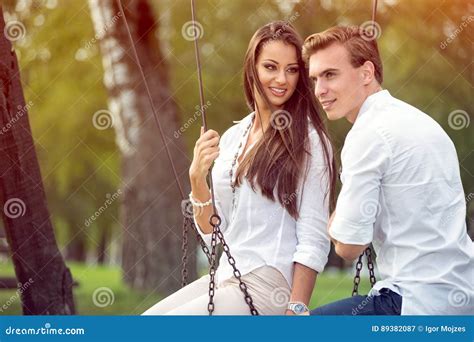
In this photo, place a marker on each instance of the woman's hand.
(206, 151)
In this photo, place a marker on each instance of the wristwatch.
(297, 307)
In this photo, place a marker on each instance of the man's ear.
(368, 72)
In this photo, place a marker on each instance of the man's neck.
(372, 89)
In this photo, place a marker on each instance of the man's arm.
(346, 251)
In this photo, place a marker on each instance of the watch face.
(299, 308)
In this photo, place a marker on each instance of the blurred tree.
(151, 214)
(45, 283)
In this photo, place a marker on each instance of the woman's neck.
(261, 120)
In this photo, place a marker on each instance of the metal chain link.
(355, 290)
(359, 264)
(184, 248)
(212, 268)
(215, 221)
(370, 265)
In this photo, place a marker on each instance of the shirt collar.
(370, 101)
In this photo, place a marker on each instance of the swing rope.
(215, 219)
(187, 221)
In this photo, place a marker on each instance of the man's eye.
(329, 75)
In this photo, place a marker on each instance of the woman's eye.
(269, 66)
(293, 70)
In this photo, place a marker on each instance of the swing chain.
(355, 290)
(184, 248)
(370, 265)
(212, 266)
(359, 264)
(238, 275)
(217, 233)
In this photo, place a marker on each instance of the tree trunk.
(76, 249)
(45, 283)
(151, 208)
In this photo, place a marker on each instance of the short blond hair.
(354, 39)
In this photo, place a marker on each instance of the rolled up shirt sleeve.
(365, 157)
(223, 145)
(313, 243)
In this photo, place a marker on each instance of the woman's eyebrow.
(271, 60)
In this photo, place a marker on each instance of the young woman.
(274, 180)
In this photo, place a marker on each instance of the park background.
(113, 205)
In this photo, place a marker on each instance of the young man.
(401, 190)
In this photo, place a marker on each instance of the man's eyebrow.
(322, 73)
(326, 71)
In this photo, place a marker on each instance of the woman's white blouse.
(261, 232)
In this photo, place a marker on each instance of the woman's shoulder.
(314, 145)
(237, 129)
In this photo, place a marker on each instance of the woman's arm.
(313, 243)
(304, 279)
(206, 151)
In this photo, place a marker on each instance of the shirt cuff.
(206, 237)
(305, 255)
(349, 233)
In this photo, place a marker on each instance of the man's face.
(339, 87)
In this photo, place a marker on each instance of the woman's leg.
(267, 286)
(197, 288)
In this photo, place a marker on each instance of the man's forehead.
(332, 57)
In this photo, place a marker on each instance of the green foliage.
(330, 287)
(62, 75)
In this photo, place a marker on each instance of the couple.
(274, 179)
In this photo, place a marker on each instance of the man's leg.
(387, 303)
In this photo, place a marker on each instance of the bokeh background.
(100, 151)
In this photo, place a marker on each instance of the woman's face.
(278, 71)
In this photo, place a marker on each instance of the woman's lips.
(278, 91)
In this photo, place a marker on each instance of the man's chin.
(333, 116)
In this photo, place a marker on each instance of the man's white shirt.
(402, 192)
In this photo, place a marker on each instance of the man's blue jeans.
(387, 303)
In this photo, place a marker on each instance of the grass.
(330, 287)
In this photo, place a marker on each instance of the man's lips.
(327, 103)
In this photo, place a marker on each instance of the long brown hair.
(276, 159)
